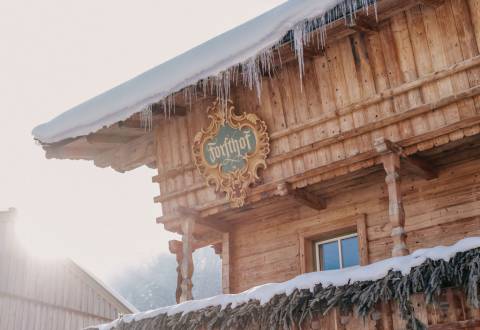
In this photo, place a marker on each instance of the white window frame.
(338, 239)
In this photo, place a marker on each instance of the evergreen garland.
(284, 312)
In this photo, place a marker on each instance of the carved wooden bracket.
(208, 223)
(412, 163)
(301, 196)
(364, 24)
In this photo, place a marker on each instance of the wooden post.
(186, 266)
(391, 164)
(226, 263)
(176, 248)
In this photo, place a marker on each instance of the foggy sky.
(56, 54)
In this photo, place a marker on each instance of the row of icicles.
(251, 71)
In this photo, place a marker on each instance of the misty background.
(55, 54)
(153, 284)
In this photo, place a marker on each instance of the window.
(336, 253)
(312, 237)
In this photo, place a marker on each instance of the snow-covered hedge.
(357, 289)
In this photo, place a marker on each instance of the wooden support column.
(223, 250)
(391, 154)
(226, 263)
(186, 266)
(391, 164)
(176, 248)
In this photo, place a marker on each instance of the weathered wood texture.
(415, 81)
(440, 211)
(48, 294)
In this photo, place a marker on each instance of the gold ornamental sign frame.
(230, 152)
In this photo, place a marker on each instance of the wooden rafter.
(108, 139)
(129, 155)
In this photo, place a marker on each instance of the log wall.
(440, 211)
(415, 81)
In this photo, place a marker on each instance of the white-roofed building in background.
(49, 294)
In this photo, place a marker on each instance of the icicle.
(251, 70)
(299, 36)
(251, 75)
(146, 118)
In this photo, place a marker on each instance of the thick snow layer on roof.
(264, 293)
(207, 60)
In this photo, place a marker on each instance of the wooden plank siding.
(48, 294)
(439, 211)
(409, 83)
(415, 81)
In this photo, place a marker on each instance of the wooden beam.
(207, 239)
(362, 233)
(137, 152)
(432, 3)
(301, 196)
(108, 138)
(412, 163)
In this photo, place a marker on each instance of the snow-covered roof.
(265, 293)
(245, 45)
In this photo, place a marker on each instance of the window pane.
(330, 255)
(350, 251)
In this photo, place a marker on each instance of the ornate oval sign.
(231, 150)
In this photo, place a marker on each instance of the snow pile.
(246, 51)
(265, 293)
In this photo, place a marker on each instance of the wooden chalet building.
(49, 294)
(352, 139)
